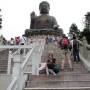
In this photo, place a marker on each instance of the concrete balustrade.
(85, 54)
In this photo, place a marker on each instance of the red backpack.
(65, 42)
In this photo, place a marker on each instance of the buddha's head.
(44, 7)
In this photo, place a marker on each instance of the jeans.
(76, 55)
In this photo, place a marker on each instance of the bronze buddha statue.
(43, 21)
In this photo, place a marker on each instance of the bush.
(86, 33)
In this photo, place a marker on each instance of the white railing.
(17, 63)
(15, 46)
(85, 53)
(11, 54)
(19, 75)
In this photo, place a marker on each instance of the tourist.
(65, 53)
(12, 42)
(75, 49)
(51, 66)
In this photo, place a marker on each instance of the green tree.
(86, 30)
(74, 28)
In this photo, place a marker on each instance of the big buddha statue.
(43, 22)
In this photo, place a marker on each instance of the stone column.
(9, 62)
(17, 69)
(85, 53)
(36, 59)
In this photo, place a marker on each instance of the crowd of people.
(15, 41)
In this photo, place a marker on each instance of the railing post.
(9, 62)
(36, 59)
(17, 68)
(24, 51)
(84, 48)
(16, 60)
(36, 56)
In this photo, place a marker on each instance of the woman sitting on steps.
(51, 65)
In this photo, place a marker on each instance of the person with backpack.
(75, 49)
(66, 52)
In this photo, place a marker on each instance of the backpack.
(65, 42)
(56, 68)
(75, 45)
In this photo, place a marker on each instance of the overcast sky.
(16, 14)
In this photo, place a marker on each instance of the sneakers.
(71, 69)
(76, 61)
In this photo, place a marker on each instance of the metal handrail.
(15, 46)
(27, 56)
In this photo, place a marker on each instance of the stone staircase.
(78, 79)
(4, 61)
(5, 81)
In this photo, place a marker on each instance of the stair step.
(63, 88)
(3, 72)
(3, 68)
(65, 77)
(74, 72)
(4, 60)
(3, 64)
(57, 84)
